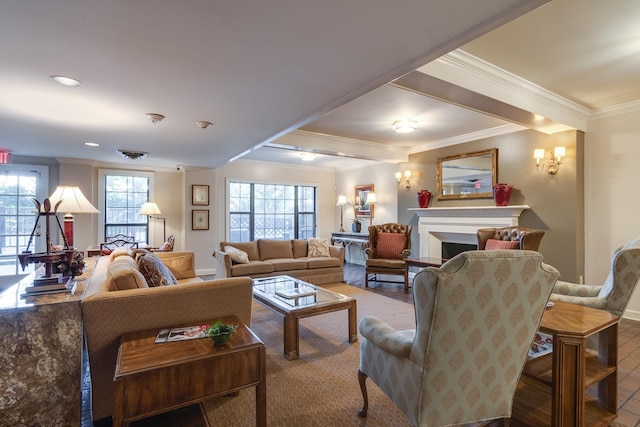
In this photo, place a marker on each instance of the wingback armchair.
(615, 293)
(389, 245)
(514, 237)
(476, 317)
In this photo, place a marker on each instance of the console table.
(352, 241)
(552, 389)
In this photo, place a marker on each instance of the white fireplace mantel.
(459, 224)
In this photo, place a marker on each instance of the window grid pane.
(123, 197)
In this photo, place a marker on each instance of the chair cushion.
(390, 245)
(154, 271)
(386, 263)
(493, 244)
(237, 256)
(318, 248)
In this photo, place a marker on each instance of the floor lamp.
(342, 200)
(149, 209)
(72, 201)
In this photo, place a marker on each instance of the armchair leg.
(366, 279)
(362, 377)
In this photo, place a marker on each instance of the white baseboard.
(631, 315)
(206, 272)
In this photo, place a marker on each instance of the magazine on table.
(542, 344)
(180, 334)
(299, 292)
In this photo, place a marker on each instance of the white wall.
(612, 204)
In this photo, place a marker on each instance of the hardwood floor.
(628, 353)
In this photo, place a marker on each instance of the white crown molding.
(465, 70)
(615, 110)
(472, 136)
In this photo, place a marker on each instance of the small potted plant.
(220, 332)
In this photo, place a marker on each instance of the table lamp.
(72, 201)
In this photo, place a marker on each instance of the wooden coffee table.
(293, 309)
(154, 378)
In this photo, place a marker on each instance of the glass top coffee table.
(294, 299)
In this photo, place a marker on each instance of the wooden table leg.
(261, 392)
(291, 337)
(118, 403)
(353, 320)
(568, 372)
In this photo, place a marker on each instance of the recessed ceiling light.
(92, 144)
(307, 157)
(405, 126)
(66, 81)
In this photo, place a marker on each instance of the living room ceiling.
(260, 71)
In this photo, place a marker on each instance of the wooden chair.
(166, 246)
(117, 241)
(389, 245)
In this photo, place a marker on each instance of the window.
(271, 211)
(123, 193)
(19, 185)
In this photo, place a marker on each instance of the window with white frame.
(271, 211)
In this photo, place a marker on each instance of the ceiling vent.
(132, 155)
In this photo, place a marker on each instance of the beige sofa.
(107, 314)
(268, 257)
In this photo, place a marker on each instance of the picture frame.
(200, 219)
(200, 195)
(361, 207)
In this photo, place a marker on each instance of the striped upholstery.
(476, 317)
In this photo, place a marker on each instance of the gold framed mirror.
(467, 176)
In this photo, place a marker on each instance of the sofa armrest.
(337, 252)
(223, 264)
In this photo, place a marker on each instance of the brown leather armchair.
(389, 245)
(527, 238)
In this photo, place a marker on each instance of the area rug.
(321, 387)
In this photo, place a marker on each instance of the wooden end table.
(153, 378)
(421, 262)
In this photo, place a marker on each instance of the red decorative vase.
(424, 197)
(502, 194)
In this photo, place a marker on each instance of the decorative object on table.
(502, 194)
(71, 267)
(71, 201)
(49, 257)
(356, 227)
(200, 195)
(424, 197)
(200, 219)
(361, 206)
(342, 200)
(151, 208)
(220, 332)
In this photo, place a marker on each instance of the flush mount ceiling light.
(307, 157)
(203, 124)
(154, 117)
(405, 126)
(66, 81)
(132, 155)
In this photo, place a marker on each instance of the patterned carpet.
(321, 388)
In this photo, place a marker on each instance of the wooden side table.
(154, 378)
(421, 262)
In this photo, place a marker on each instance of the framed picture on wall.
(200, 195)
(363, 208)
(200, 219)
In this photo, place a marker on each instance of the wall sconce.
(553, 164)
(342, 200)
(407, 175)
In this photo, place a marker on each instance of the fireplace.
(459, 225)
(449, 250)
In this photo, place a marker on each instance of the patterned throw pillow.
(390, 245)
(318, 248)
(154, 271)
(237, 256)
(493, 244)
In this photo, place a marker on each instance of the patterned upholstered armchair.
(615, 293)
(514, 237)
(389, 245)
(476, 317)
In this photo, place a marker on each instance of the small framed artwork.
(200, 195)
(200, 219)
(362, 208)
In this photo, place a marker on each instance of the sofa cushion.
(251, 248)
(493, 244)
(390, 245)
(181, 266)
(154, 271)
(270, 249)
(299, 248)
(122, 274)
(323, 262)
(115, 253)
(237, 256)
(252, 267)
(318, 248)
(283, 264)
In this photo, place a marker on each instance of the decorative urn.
(502, 194)
(424, 197)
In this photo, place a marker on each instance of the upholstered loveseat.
(314, 261)
(118, 299)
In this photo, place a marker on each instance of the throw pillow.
(154, 271)
(318, 248)
(163, 247)
(493, 244)
(390, 245)
(237, 256)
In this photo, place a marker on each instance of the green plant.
(220, 328)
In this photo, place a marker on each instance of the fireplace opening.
(449, 250)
